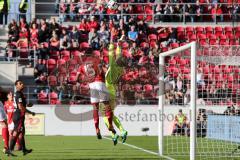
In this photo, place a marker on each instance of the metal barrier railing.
(150, 12)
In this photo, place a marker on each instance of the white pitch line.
(141, 149)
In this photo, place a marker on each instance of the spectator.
(24, 33)
(132, 34)
(42, 51)
(40, 72)
(199, 10)
(230, 111)
(43, 34)
(200, 77)
(122, 26)
(103, 35)
(168, 10)
(180, 124)
(74, 36)
(54, 42)
(65, 43)
(189, 11)
(159, 13)
(23, 23)
(13, 32)
(83, 27)
(34, 33)
(93, 39)
(172, 38)
(201, 123)
(93, 23)
(54, 26)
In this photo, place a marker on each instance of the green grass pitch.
(88, 147)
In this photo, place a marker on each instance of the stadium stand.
(60, 49)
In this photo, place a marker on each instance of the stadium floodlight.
(162, 56)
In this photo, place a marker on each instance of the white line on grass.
(141, 149)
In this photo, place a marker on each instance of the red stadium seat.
(228, 30)
(51, 65)
(209, 30)
(199, 30)
(72, 80)
(152, 37)
(218, 31)
(192, 38)
(61, 62)
(52, 80)
(53, 98)
(42, 97)
(65, 54)
(84, 46)
(97, 53)
(189, 30)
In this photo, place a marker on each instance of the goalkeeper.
(112, 76)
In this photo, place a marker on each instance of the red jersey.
(90, 70)
(9, 109)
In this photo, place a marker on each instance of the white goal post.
(192, 47)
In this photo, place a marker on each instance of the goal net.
(199, 101)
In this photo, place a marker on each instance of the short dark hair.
(17, 81)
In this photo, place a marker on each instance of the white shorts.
(11, 126)
(3, 115)
(98, 92)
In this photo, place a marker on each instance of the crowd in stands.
(165, 11)
(58, 50)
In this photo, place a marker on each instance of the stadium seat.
(52, 80)
(51, 65)
(199, 30)
(53, 98)
(54, 54)
(65, 54)
(61, 62)
(209, 30)
(228, 30)
(152, 37)
(192, 38)
(97, 53)
(72, 80)
(42, 97)
(84, 46)
(189, 30)
(218, 31)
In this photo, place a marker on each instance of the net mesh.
(218, 102)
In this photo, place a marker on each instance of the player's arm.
(30, 112)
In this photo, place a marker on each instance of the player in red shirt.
(91, 71)
(9, 107)
(4, 126)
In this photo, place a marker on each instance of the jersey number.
(90, 70)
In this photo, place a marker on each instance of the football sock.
(105, 119)
(118, 123)
(18, 144)
(5, 137)
(96, 119)
(12, 143)
(22, 141)
(109, 115)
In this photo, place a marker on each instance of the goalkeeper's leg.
(116, 121)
